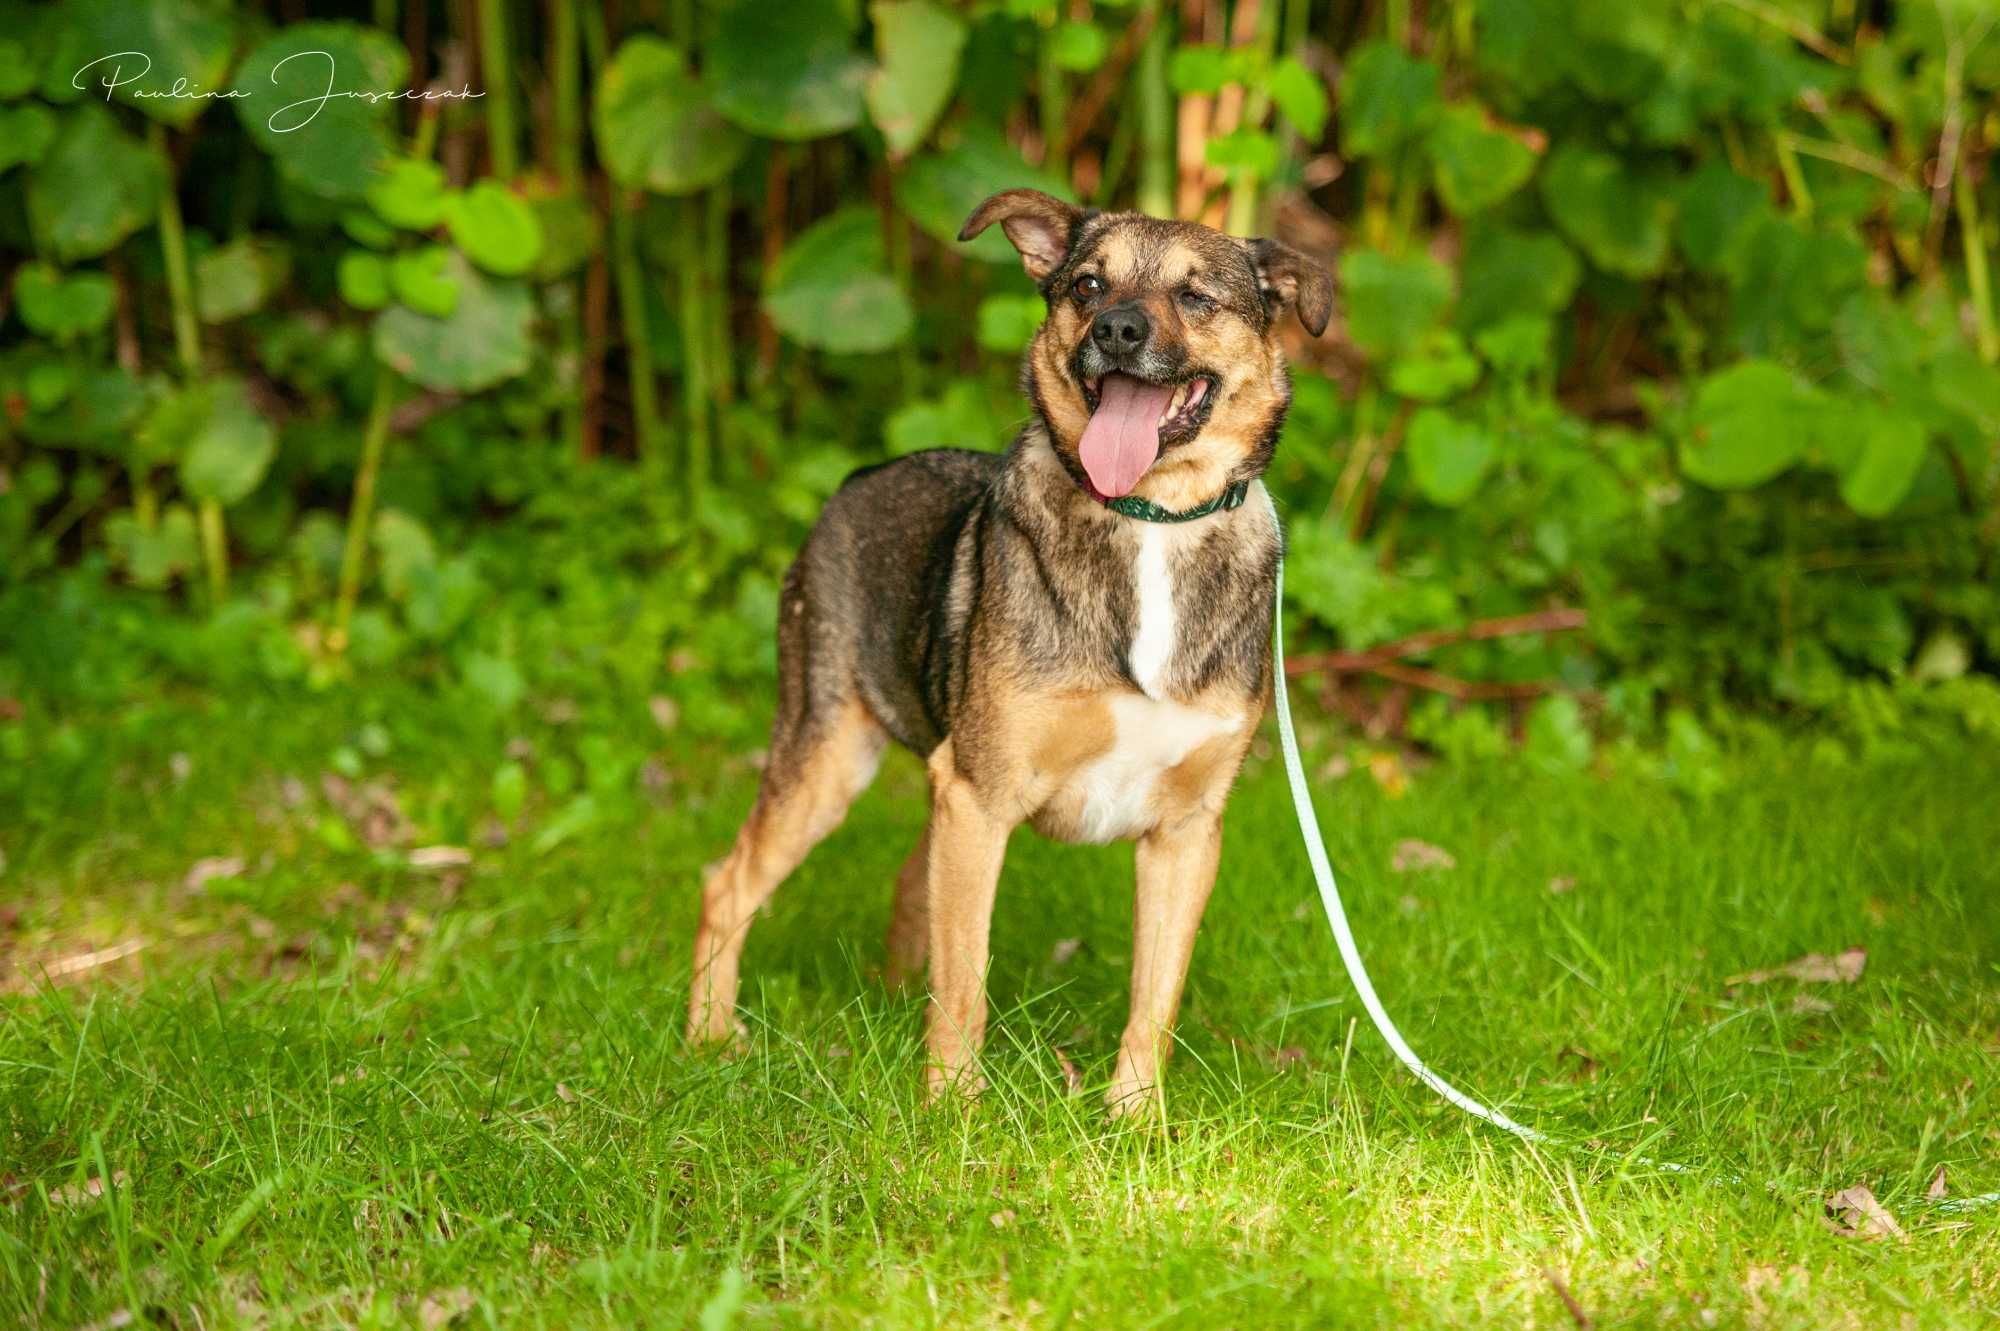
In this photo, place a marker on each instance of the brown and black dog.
(1075, 634)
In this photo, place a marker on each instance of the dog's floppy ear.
(1292, 281)
(1038, 224)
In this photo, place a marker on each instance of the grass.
(335, 1090)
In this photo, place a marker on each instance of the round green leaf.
(94, 186)
(829, 289)
(1198, 69)
(940, 190)
(1386, 99)
(1078, 46)
(140, 49)
(1474, 165)
(332, 149)
(62, 307)
(237, 278)
(224, 445)
(1008, 323)
(484, 340)
(364, 279)
(657, 127)
(1298, 93)
(97, 414)
(1436, 368)
(1391, 301)
(1510, 272)
(495, 227)
(1718, 211)
(1891, 453)
(410, 193)
(1748, 424)
(155, 556)
(918, 44)
(25, 134)
(1618, 214)
(422, 279)
(1448, 456)
(789, 76)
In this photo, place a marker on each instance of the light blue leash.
(1350, 953)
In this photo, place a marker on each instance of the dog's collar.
(1146, 510)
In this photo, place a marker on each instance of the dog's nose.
(1121, 328)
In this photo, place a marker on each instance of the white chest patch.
(1154, 637)
(1115, 792)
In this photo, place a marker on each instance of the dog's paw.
(1132, 1099)
(947, 1085)
(717, 1030)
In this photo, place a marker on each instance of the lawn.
(336, 1088)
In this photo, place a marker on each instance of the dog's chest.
(1118, 792)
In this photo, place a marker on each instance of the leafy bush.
(1677, 314)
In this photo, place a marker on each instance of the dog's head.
(1160, 352)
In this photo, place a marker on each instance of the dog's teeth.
(1177, 401)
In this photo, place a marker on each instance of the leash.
(1350, 952)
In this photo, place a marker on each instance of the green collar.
(1146, 510)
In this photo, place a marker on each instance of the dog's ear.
(1038, 224)
(1292, 281)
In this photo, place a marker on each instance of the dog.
(1075, 634)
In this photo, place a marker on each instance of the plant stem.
(722, 360)
(361, 508)
(1244, 188)
(187, 344)
(496, 69)
(694, 347)
(1977, 277)
(632, 314)
(1053, 95)
(565, 61)
(1156, 118)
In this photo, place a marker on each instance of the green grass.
(334, 1090)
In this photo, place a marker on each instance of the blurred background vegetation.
(1662, 397)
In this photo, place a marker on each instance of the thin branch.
(1083, 112)
(1558, 620)
(1805, 34)
(1464, 690)
(1853, 158)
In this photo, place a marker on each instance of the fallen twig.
(1576, 1312)
(92, 960)
(1374, 658)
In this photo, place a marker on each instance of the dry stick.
(1228, 115)
(1083, 112)
(1576, 1312)
(145, 503)
(1464, 690)
(1557, 620)
(777, 182)
(361, 507)
(1198, 19)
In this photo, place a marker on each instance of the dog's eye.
(1196, 301)
(1088, 286)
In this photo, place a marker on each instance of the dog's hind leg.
(910, 926)
(821, 758)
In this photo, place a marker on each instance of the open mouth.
(1132, 420)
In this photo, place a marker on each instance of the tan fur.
(795, 810)
(1118, 741)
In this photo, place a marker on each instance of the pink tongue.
(1123, 436)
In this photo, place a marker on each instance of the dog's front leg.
(967, 844)
(1176, 870)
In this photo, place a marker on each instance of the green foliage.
(830, 288)
(94, 185)
(796, 79)
(917, 44)
(1655, 312)
(657, 125)
(480, 338)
